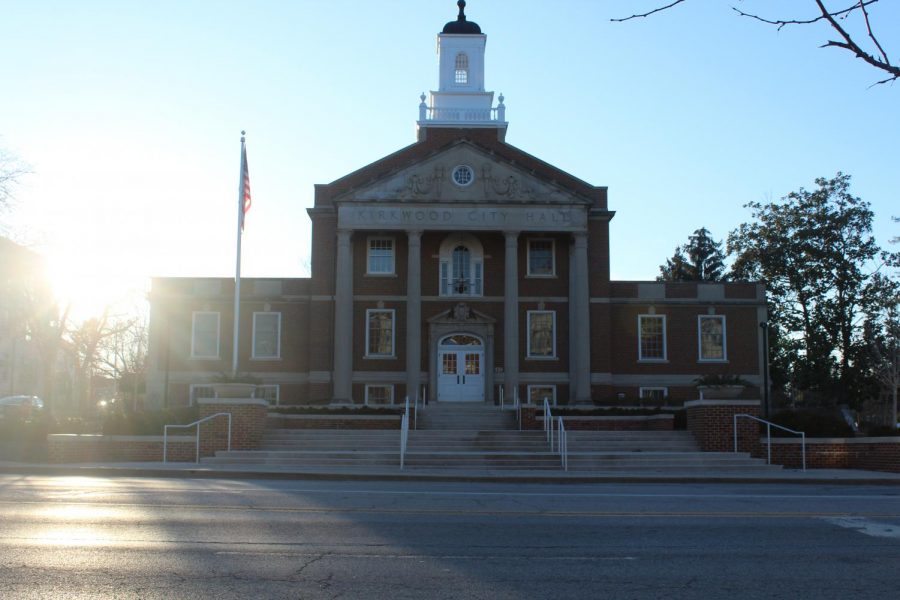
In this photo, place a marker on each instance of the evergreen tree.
(701, 259)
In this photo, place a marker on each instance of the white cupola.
(461, 100)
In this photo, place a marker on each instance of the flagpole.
(237, 269)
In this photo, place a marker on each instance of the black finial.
(462, 10)
(243, 133)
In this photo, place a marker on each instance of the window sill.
(380, 357)
(381, 275)
(205, 358)
(720, 361)
(533, 276)
(265, 358)
(651, 361)
(544, 358)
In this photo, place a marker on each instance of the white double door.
(460, 375)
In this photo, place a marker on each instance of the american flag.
(245, 184)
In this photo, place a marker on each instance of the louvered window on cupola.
(462, 68)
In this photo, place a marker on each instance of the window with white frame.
(200, 390)
(379, 394)
(656, 394)
(711, 337)
(461, 70)
(461, 266)
(380, 256)
(205, 335)
(266, 335)
(652, 337)
(541, 258)
(269, 392)
(380, 333)
(541, 334)
(538, 393)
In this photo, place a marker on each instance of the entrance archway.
(460, 368)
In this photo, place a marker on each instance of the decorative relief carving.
(509, 186)
(460, 312)
(421, 185)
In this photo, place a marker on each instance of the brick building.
(454, 268)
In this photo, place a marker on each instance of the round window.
(463, 175)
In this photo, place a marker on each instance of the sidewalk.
(193, 470)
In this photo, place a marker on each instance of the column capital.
(511, 236)
(414, 234)
(580, 237)
(344, 235)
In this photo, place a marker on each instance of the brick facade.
(870, 454)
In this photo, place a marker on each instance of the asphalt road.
(180, 538)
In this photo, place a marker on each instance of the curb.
(513, 478)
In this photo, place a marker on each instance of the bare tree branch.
(647, 14)
(878, 59)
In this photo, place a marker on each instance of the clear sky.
(130, 113)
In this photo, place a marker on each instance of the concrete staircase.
(482, 437)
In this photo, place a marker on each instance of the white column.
(413, 313)
(343, 319)
(573, 326)
(582, 317)
(511, 314)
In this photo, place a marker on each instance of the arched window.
(462, 260)
(462, 68)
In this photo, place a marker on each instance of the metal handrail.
(548, 423)
(563, 444)
(769, 426)
(197, 424)
(416, 411)
(502, 398)
(404, 433)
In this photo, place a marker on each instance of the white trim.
(376, 238)
(528, 353)
(665, 351)
(274, 386)
(389, 387)
(475, 279)
(194, 315)
(459, 169)
(277, 355)
(393, 312)
(700, 357)
(552, 272)
(550, 386)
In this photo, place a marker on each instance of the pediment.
(462, 314)
(495, 181)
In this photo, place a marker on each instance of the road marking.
(866, 526)
(516, 557)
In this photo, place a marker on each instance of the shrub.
(813, 424)
(148, 422)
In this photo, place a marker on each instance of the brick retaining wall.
(712, 424)
(280, 421)
(75, 448)
(870, 454)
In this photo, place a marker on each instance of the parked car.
(20, 406)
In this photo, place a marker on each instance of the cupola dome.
(460, 25)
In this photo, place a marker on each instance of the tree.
(851, 25)
(704, 260)
(815, 251)
(85, 343)
(10, 172)
(123, 356)
(885, 354)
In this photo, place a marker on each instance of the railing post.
(734, 420)
(165, 442)
(803, 448)
(768, 443)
